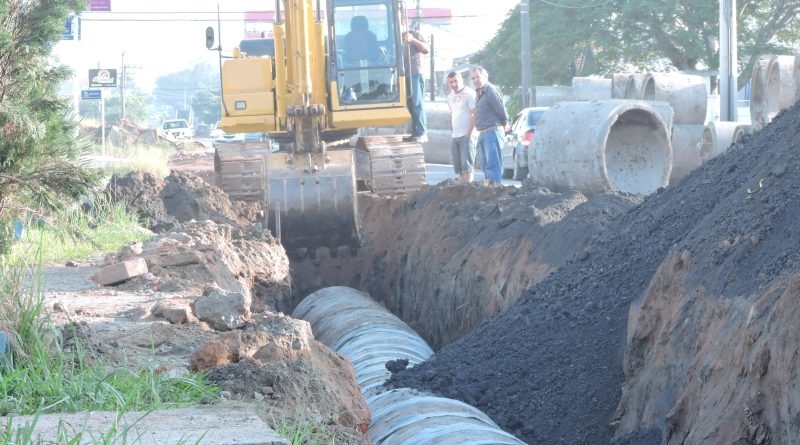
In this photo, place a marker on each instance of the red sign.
(99, 5)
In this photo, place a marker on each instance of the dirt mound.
(452, 256)
(550, 369)
(181, 197)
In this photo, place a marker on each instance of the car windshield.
(174, 124)
(534, 116)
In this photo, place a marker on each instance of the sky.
(161, 37)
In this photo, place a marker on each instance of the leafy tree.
(135, 108)
(39, 154)
(206, 106)
(177, 91)
(577, 38)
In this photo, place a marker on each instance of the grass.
(145, 158)
(41, 376)
(76, 234)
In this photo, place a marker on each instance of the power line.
(214, 19)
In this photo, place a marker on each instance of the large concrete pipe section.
(780, 85)
(619, 85)
(740, 132)
(717, 137)
(547, 96)
(687, 94)
(591, 88)
(796, 75)
(361, 330)
(602, 145)
(758, 94)
(686, 141)
(636, 87)
(439, 132)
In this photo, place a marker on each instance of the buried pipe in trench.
(367, 334)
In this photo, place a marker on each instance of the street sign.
(99, 78)
(91, 94)
(72, 28)
(99, 5)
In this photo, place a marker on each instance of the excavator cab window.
(366, 42)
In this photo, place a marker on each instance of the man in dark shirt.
(415, 46)
(491, 121)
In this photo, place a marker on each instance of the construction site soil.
(677, 325)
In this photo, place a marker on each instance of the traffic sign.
(102, 78)
(91, 94)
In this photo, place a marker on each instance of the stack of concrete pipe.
(547, 96)
(368, 335)
(591, 88)
(439, 132)
(597, 146)
(773, 88)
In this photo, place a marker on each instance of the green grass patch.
(41, 376)
(75, 234)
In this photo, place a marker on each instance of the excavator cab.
(330, 72)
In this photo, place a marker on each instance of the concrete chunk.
(217, 425)
(117, 273)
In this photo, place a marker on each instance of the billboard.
(102, 78)
(99, 5)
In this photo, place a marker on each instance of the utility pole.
(122, 86)
(728, 60)
(525, 33)
(418, 18)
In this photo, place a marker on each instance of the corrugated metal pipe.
(363, 331)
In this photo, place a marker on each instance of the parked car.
(202, 131)
(216, 132)
(515, 149)
(177, 128)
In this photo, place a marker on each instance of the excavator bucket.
(310, 207)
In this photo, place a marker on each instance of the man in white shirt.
(461, 101)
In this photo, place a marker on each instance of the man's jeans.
(416, 105)
(490, 149)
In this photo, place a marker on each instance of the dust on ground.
(710, 266)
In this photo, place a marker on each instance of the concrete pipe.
(636, 87)
(437, 116)
(687, 94)
(591, 88)
(603, 145)
(619, 85)
(796, 75)
(437, 149)
(404, 416)
(364, 332)
(686, 141)
(666, 112)
(717, 137)
(545, 96)
(780, 85)
(758, 94)
(740, 132)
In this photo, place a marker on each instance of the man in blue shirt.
(491, 120)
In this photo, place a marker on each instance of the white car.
(216, 132)
(177, 128)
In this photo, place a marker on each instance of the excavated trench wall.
(452, 256)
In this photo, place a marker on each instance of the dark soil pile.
(181, 197)
(452, 256)
(724, 240)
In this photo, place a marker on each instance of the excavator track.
(387, 165)
(240, 170)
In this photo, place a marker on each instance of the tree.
(135, 109)
(39, 154)
(177, 91)
(575, 38)
(206, 106)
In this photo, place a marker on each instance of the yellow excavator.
(331, 72)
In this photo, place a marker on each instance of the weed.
(76, 233)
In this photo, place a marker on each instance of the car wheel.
(520, 172)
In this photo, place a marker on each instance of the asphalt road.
(437, 173)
